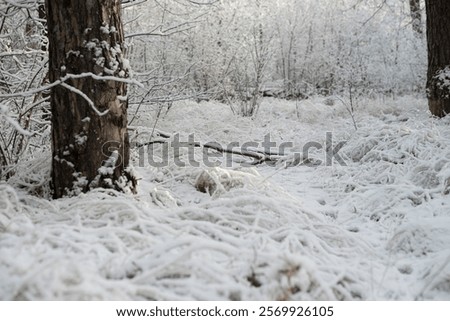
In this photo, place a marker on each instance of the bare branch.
(130, 3)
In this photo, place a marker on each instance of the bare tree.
(438, 35)
(89, 108)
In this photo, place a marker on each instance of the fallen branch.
(258, 156)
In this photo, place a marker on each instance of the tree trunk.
(416, 16)
(89, 116)
(438, 35)
(43, 18)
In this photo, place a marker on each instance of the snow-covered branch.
(85, 97)
(4, 113)
(35, 91)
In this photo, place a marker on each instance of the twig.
(349, 109)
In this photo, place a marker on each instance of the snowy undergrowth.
(374, 229)
(251, 245)
(395, 191)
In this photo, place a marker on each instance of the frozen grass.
(378, 228)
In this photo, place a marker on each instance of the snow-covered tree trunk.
(438, 35)
(416, 16)
(89, 110)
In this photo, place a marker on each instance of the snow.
(92, 45)
(375, 229)
(443, 77)
(76, 53)
(105, 29)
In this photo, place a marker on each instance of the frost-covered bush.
(24, 115)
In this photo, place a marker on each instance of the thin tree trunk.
(43, 19)
(416, 16)
(89, 150)
(438, 38)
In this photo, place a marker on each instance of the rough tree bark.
(438, 39)
(416, 16)
(90, 144)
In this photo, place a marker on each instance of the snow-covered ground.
(374, 228)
